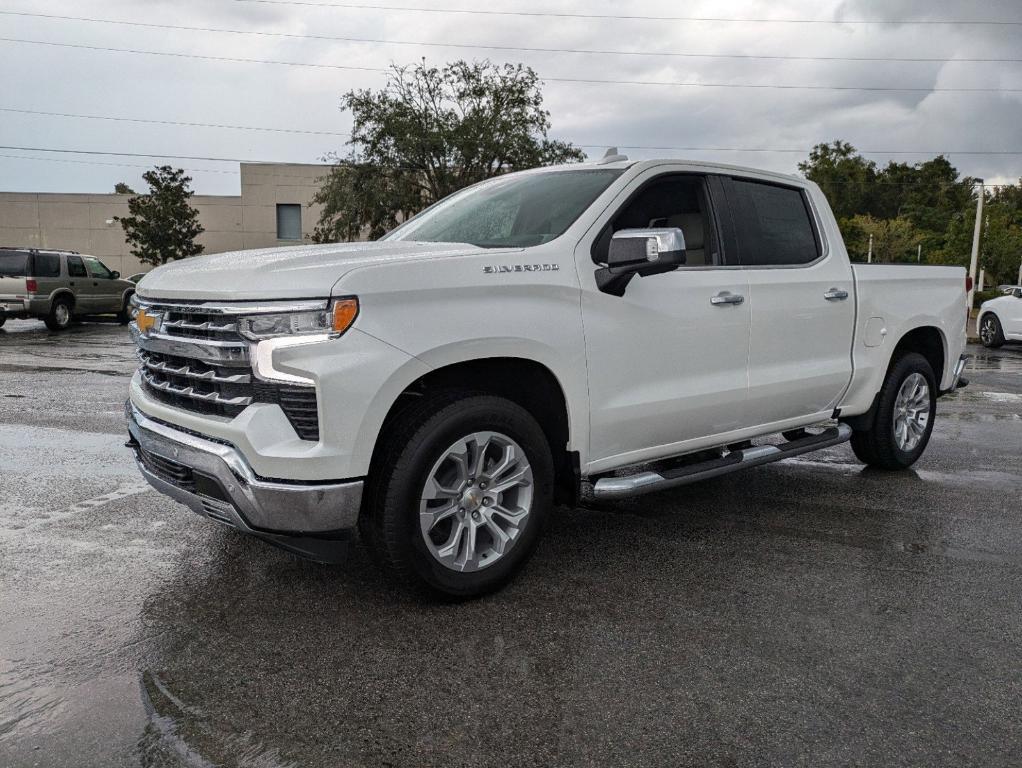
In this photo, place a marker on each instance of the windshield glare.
(511, 211)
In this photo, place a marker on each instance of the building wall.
(79, 222)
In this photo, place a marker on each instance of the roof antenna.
(611, 156)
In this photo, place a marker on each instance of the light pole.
(975, 242)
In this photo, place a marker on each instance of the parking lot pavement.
(803, 613)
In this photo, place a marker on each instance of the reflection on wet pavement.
(808, 612)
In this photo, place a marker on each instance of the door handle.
(835, 294)
(95, 283)
(724, 298)
(71, 283)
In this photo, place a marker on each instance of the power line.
(581, 80)
(115, 165)
(513, 48)
(639, 17)
(792, 150)
(622, 146)
(173, 122)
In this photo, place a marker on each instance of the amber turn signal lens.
(344, 313)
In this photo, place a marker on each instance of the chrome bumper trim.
(251, 503)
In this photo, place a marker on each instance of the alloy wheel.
(911, 412)
(476, 501)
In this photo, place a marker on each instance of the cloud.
(95, 82)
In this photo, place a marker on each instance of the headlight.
(333, 320)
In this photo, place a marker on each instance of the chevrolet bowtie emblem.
(147, 322)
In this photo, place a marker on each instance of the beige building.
(274, 208)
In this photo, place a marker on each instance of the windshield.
(13, 264)
(511, 211)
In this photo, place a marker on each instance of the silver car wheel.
(476, 501)
(911, 412)
(986, 331)
(62, 314)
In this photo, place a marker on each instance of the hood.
(294, 272)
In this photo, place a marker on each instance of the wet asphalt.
(808, 612)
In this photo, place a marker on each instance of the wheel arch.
(927, 340)
(63, 293)
(524, 381)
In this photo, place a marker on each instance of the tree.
(894, 240)
(430, 132)
(162, 226)
(120, 188)
(846, 178)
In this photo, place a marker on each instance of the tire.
(903, 420)
(414, 461)
(990, 332)
(124, 316)
(3, 319)
(60, 316)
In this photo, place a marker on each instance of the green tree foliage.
(430, 132)
(894, 240)
(120, 188)
(162, 225)
(926, 203)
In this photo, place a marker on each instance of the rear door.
(80, 283)
(801, 296)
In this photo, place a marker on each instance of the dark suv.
(57, 286)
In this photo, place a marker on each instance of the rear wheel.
(459, 493)
(990, 331)
(60, 315)
(903, 419)
(3, 319)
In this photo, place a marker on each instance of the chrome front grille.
(197, 361)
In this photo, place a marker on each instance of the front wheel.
(903, 419)
(459, 493)
(990, 331)
(124, 316)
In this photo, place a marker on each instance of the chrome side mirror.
(640, 252)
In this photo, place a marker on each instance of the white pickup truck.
(608, 329)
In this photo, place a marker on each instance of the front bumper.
(213, 479)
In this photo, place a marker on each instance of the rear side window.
(13, 264)
(47, 265)
(772, 224)
(75, 266)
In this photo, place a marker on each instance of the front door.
(107, 293)
(667, 365)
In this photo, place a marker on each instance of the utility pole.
(982, 279)
(1020, 274)
(919, 253)
(974, 261)
(869, 256)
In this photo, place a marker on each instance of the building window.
(289, 221)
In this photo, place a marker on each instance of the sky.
(708, 121)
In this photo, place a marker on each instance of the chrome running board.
(647, 482)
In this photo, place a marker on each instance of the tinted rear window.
(772, 224)
(46, 265)
(13, 264)
(75, 266)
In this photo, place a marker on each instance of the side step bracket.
(647, 482)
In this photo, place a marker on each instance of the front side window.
(515, 211)
(672, 200)
(289, 221)
(75, 267)
(97, 268)
(772, 224)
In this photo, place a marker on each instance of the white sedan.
(1000, 319)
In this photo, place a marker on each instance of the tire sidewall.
(474, 414)
(903, 368)
(54, 323)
